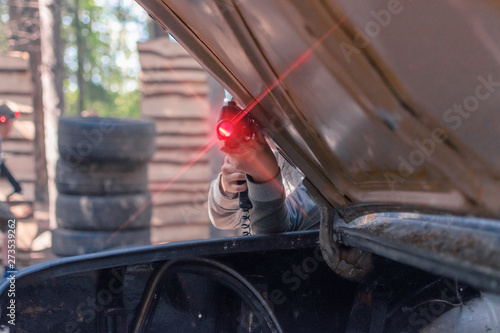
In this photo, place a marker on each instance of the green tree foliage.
(4, 18)
(100, 56)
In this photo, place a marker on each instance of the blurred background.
(103, 58)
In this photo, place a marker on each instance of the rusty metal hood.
(384, 104)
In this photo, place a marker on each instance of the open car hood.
(385, 105)
(390, 109)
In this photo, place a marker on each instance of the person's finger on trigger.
(231, 183)
(234, 175)
(240, 186)
(230, 178)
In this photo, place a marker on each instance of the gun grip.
(245, 202)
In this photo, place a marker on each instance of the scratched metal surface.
(382, 103)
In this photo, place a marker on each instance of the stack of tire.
(101, 177)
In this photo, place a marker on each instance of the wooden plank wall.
(16, 91)
(175, 97)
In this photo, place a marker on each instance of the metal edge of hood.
(461, 248)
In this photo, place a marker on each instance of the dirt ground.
(33, 239)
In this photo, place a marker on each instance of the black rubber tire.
(67, 242)
(105, 139)
(101, 178)
(105, 213)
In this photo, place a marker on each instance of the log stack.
(175, 98)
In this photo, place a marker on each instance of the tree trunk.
(41, 190)
(80, 49)
(52, 83)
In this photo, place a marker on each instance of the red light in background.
(3, 119)
(225, 129)
(17, 114)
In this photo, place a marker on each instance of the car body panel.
(386, 106)
(108, 291)
(361, 94)
(215, 285)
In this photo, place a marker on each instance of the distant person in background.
(6, 217)
(89, 113)
(6, 117)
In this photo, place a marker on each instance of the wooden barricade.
(175, 97)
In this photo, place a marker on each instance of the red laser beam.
(290, 69)
(200, 152)
(203, 149)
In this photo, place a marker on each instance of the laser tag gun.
(235, 127)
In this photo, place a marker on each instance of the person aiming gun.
(6, 217)
(278, 199)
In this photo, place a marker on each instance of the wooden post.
(52, 83)
(41, 191)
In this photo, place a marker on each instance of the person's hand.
(254, 158)
(229, 185)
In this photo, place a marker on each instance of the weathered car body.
(277, 283)
(390, 110)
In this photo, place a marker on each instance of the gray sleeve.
(224, 212)
(272, 212)
(269, 214)
(304, 214)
